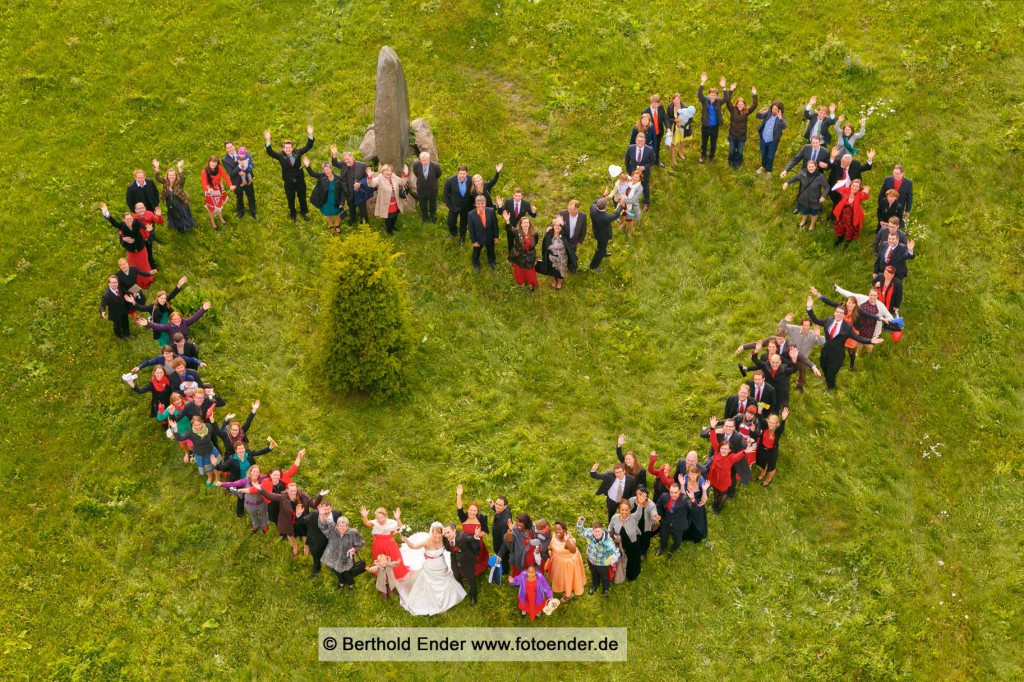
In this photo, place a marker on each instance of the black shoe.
(477, 268)
(607, 254)
(316, 572)
(253, 214)
(670, 555)
(239, 214)
(592, 590)
(295, 218)
(799, 389)
(492, 266)
(743, 370)
(826, 391)
(659, 552)
(126, 339)
(604, 593)
(472, 601)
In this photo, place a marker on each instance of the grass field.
(870, 557)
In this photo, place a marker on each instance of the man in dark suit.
(602, 222)
(882, 236)
(903, 186)
(845, 170)
(777, 374)
(315, 537)
(230, 162)
(574, 227)
(114, 306)
(837, 330)
(616, 485)
(464, 549)
(456, 197)
(894, 254)
(640, 155)
(352, 171)
(819, 122)
(737, 404)
(428, 176)
(502, 515)
(762, 392)
(516, 208)
(814, 151)
(291, 171)
(142, 189)
(483, 231)
(672, 516)
(659, 120)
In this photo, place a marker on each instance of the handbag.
(358, 566)
(668, 138)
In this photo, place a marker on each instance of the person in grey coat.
(811, 197)
(342, 544)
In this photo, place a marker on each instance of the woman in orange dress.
(472, 519)
(565, 567)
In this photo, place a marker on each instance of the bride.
(430, 587)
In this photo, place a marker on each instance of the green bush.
(366, 324)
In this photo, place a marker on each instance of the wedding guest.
(214, 180)
(383, 530)
(695, 490)
(238, 165)
(328, 194)
(739, 113)
(534, 592)
(849, 212)
(384, 569)
(342, 544)
(523, 251)
(291, 171)
(769, 132)
(390, 194)
(811, 195)
(427, 175)
(465, 548)
(565, 570)
(601, 554)
(673, 520)
(115, 306)
(142, 189)
(711, 118)
(179, 213)
(555, 254)
(625, 531)
(473, 520)
(353, 175)
(524, 547)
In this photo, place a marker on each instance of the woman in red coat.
(720, 471)
(849, 213)
(215, 181)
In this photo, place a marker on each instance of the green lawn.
(864, 560)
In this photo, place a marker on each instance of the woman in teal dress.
(328, 194)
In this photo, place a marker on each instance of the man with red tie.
(737, 404)
(896, 255)
(114, 306)
(658, 122)
(516, 208)
(762, 392)
(483, 231)
(837, 331)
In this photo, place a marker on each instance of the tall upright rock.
(391, 111)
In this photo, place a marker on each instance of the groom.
(464, 548)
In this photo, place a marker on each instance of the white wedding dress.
(430, 587)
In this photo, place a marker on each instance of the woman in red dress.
(215, 181)
(132, 235)
(383, 530)
(849, 213)
(534, 592)
(472, 519)
(523, 254)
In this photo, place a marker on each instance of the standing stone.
(391, 111)
(368, 147)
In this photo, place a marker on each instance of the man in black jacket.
(640, 155)
(114, 306)
(895, 254)
(616, 485)
(516, 208)
(658, 123)
(142, 189)
(457, 198)
(845, 169)
(230, 162)
(428, 175)
(464, 549)
(836, 330)
(903, 186)
(820, 121)
(352, 171)
(761, 392)
(602, 222)
(291, 171)
(483, 232)
(574, 227)
(315, 538)
(672, 517)
(502, 515)
(711, 118)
